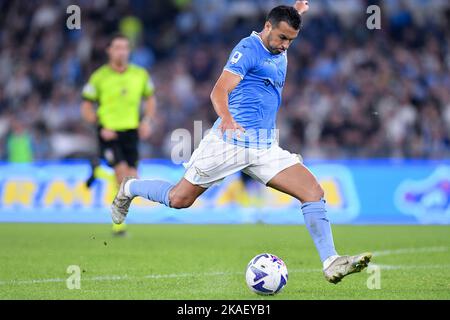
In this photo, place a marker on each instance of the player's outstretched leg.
(300, 183)
(178, 196)
(121, 203)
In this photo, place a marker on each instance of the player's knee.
(315, 193)
(178, 201)
(318, 192)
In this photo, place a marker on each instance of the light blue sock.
(153, 190)
(319, 228)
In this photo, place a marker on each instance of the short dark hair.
(287, 14)
(116, 36)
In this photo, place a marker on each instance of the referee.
(118, 88)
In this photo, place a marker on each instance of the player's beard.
(273, 50)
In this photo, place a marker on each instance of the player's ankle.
(329, 260)
(127, 188)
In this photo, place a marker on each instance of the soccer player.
(118, 87)
(246, 98)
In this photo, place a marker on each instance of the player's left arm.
(149, 109)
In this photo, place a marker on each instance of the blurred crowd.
(351, 92)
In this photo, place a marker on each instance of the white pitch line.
(150, 276)
(192, 275)
(212, 274)
(412, 267)
(120, 278)
(35, 281)
(188, 275)
(409, 250)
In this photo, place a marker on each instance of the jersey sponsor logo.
(277, 84)
(236, 56)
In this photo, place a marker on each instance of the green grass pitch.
(209, 261)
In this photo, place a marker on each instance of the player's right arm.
(219, 98)
(240, 61)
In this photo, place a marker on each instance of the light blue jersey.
(255, 100)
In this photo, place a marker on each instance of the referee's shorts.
(124, 148)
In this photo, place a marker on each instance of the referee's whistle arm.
(88, 112)
(145, 130)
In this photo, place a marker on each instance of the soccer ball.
(266, 274)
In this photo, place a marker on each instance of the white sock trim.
(126, 187)
(329, 261)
